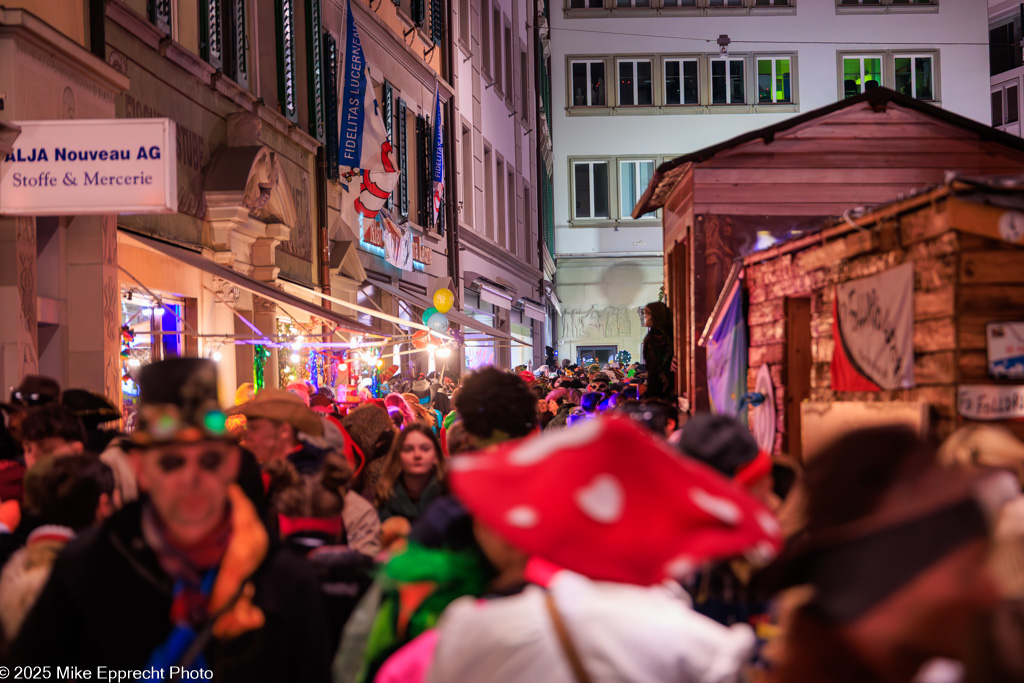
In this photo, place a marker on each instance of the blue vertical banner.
(364, 150)
(727, 355)
(438, 156)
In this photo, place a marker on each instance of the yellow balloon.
(443, 300)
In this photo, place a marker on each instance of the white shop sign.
(102, 166)
(991, 402)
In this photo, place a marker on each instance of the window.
(528, 237)
(915, 76)
(887, 5)
(678, 3)
(586, 4)
(502, 228)
(635, 85)
(773, 3)
(510, 87)
(1005, 105)
(465, 19)
(774, 80)
(488, 221)
(497, 72)
(725, 3)
(485, 36)
(1004, 47)
(727, 86)
(222, 37)
(861, 73)
(466, 206)
(387, 112)
(588, 86)
(160, 15)
(525, 101)
(634, 175)
(590, 189)
(512, 197)
(681, 83)
(632, 3)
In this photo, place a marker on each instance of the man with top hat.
(185, 577)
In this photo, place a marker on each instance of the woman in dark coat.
(658, 352)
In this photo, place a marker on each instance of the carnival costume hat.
(281, 405)
(725, 444)
(34, 390)
(570, 497)
(178, 403)
(91, 408)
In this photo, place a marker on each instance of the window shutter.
(423, 169)
(160, 15)
(240, 45)
(403, 162)
(286, 95)
(316, 71)
(330, 68)
(437, 21)
(418, 10)
(211, 37)
(388, 114)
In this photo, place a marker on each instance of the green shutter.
(211, 33)
(240, 48)
(316, 71)
(403, 162)
(286, 87)
(330, 67)
(418, 10)
(437, 21)
(388, 114)
(423, 171)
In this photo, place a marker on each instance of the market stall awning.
(197, 260)
(455, 316)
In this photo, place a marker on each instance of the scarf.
(210, 579)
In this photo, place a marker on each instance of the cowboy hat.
(281, 405)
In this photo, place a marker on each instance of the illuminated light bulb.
(343, 367)
(380, 363)
(134, 363)
(432, 347)
(216, 355)
(295, 358)
(296, 345)
(444, 352)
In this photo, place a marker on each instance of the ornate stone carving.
(594, 323)
(118, 61)
(25, 229)
(27, 290)
(226, 291)
(111, 299)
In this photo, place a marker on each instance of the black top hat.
(178, 403)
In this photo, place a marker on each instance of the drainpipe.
(538, 55)
(450, 204)
(324, 247)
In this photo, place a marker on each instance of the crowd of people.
(561, 525)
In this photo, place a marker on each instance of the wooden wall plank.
(935, 368)
(872, 131)
(973, 366)
(992, 267)
(771, 159)
(997, 300)
(940, 303)
(935, 335)
(780, 193)
(971, 331)
(868, 176)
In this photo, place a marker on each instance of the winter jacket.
(108, 603)
(398, 503)
(621, 632)
(26, 573)
(362, 525)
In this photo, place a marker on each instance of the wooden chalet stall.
(963, 245)
(724, 202)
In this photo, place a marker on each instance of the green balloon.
(427, 313)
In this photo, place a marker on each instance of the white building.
(496, 135)
(643, 81)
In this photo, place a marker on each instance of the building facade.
(1006, 64)
(681, 75)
